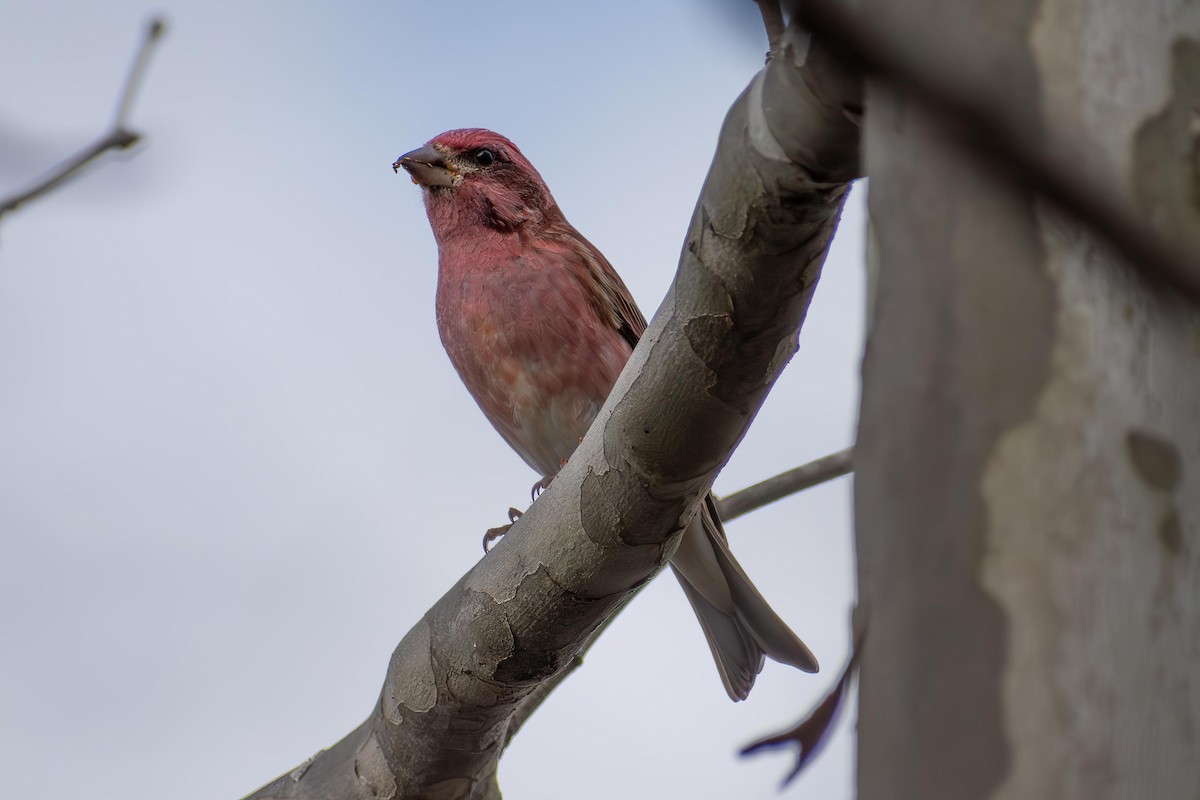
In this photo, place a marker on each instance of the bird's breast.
(533, 352)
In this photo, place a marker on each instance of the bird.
(539, 325)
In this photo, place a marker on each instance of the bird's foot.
(492, 534)
(544, 483)
(540, 486)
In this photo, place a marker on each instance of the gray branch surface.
(480, 659)
(742, 502)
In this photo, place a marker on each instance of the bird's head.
(472, 176)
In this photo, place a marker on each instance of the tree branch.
(984, 127)
(118, 136)
(772, 15)
(834, 465)
(735, 505)
(469, 672)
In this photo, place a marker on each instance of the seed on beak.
(427, 167)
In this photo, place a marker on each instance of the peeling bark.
(606, 525)
(1026, 492)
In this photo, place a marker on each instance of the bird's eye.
(484, 157)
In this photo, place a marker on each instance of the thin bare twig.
(795, 480)
(154, 31)
(1020, 158)
(118, 136)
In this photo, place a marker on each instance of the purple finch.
(539, 326)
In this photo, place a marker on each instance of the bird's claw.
(492, 534)
(540, 487)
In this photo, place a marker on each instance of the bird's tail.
(741, 628)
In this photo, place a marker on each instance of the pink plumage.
(539, 326)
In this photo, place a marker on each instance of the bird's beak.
(427, 167)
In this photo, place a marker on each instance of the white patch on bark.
(1095, 562)
(1101, 694)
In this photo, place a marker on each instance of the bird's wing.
(615, 302)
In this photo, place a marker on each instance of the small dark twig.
(118, 136)
(794, 480)
(1019, 157)
(154, 32)
(812, 732)
(772, 16)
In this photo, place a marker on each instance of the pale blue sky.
(235, 464)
